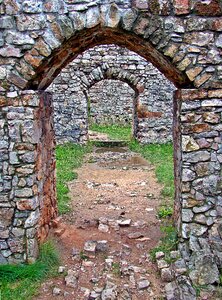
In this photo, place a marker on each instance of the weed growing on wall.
(167, 243)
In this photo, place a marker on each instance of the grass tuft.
(165, 212)
(22, 281)
(167, 243)
(116, 269)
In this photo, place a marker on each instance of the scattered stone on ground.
(109, 232)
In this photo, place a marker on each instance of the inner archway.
(153, 103)
(111, 102)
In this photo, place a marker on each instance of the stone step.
(110, 143)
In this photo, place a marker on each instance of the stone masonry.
(150, 106)
(183, 39)
(111, 102)
(27, 175)
(201, 185)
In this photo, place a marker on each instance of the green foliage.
(22, 281)
(83, 256)
(49, 257)
(198, 290)
(116, 269)
(68, 157)
(167, 243)
(161, 156)
(218, 292)
(165, 212)
(115, 132)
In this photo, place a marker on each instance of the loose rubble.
(112, 261)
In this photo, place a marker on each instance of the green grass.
(116, 269)
(21, 282)
(161, 156)
(68, 157)
(165, 212)
(167, 243)
(114, 132)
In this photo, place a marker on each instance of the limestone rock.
(3, 260)
(92, 17)
(102, 246)
(103, 228)
(71, 279)
(159, 255)
(135, 235)
(143, 284)
(129, 17)
(189, 144)
(166, 275)
(206, 271)
(161, 263)
(124, 222)
(109, 292)
(90, 248)
(61, 269)
(56, 291)
(172, 292)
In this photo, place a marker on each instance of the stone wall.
(111, 102)
(182, 38)
(152, 111)
(70, 109)
(27, 164)
(201, 201)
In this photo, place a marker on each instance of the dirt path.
(110, 231)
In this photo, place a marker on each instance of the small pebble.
(61, 269)
(143, 284)
(56, 291)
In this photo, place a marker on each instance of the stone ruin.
(183, 39)
(145, 101)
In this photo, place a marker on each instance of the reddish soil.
(114, 186)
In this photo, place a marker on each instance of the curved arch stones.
(182, 39)
(155, 94)
(105, 72)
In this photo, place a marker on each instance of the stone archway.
(40, 38)
(71, 86)
(105, 72)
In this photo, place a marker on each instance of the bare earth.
(112, 188)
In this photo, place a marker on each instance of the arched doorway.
(112, 62)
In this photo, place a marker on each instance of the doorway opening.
(111, 111)
(113, 187)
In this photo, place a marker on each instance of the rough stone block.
(181, 7)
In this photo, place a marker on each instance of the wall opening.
(153, 99)
(112, 103)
